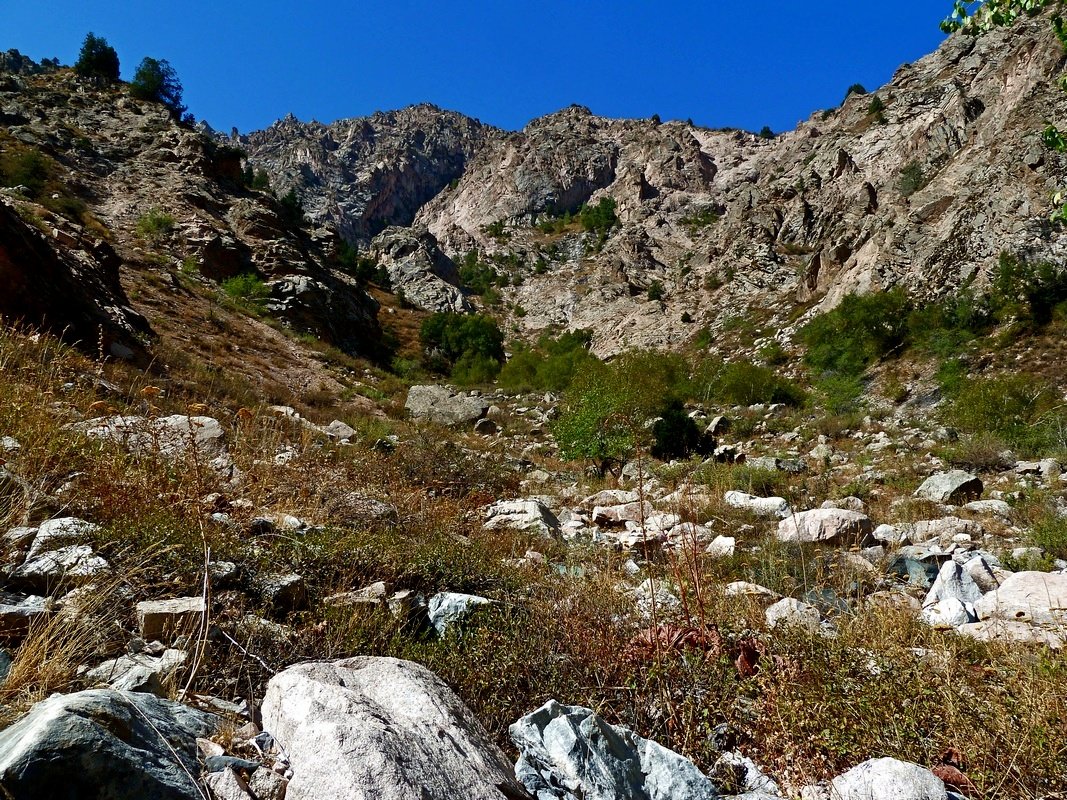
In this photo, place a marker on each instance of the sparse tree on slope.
(97, 60)
(156, 81)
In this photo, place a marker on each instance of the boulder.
(792, 612)
(953, 581)
(570, 753)
(620, 514)
(950, 612)
(522, 515)
(104, 743)
(760, 506)
(1038, 597)
(955, 487)
(441, 405)
(446, 609)
(825, 525)
(55, 533)
(383, 728)
(887, 779)
(139, 672)
(174, 437)
(75, 564)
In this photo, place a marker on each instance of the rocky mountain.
(136, 223)
(363, 175)
(921, 184)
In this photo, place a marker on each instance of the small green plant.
(912, 179)
(655, 291)
(247, 290)
(600, 218)
(856, 88)
(876, 106)
(155, 224)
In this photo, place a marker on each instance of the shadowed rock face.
(73, 293)
(366, 174)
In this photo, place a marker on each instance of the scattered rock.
(441, 405)
(523, 515)
(887, 779)
(446, 609)
(167, 619)
(760, 506)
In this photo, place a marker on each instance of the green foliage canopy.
(97, 60)
(157, 82)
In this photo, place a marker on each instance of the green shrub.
(655, 291)
(247, 290)
(97, 60)
(25, 167)
(912, 179)
(291, 209)
(551, 365)
(156, 81)
(838, 394)
(479, 277)
(473, 343)
(856, 88)
(600, 218)
(861, 330)
(1050, 533)
(1021, 409)
(766, 132)
(674, 433)
(155, 224)
(876, 106)
(365, 270)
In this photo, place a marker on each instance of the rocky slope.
(363, 175)
(923, 188)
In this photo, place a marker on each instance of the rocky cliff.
(363, 175)
(921, 184)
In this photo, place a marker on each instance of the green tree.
(97, 60)
(292, 210)
(157, 82)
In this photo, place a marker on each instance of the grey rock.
(522, 515)
(381, 728)
(167, 619)
(138, 672)
(227, 785)
(339, 430)
(951, 612)
(760, 506)
(75, 564)
(441, 405)
(569, 753)
(953, 581)
(283, 590)
(887, 779)
(825, 525)
(1038, 597)
(417, 267)
(104, 743)
(792, 612)
(447, 609)
(54, 533)
(18, 612)
(956, 487)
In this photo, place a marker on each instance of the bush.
(600, 218)
(911, 179)
(861, 330)
(1021, 409)
(363, 269)
(157, 82)
(766, 132)
(97, 60)
(550, 366)
(291, 209)
(247, 290)
(674, 433)
(655, 291)
(743, 383)
(471, 343)
(856, 88)
(155, 224)
(479, 277)
(876, 106)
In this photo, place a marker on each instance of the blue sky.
(744, 65)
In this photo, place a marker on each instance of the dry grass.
(804, 707)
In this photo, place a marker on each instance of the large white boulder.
(383, 728)
(1038, 597)
(956, 487)
(522, 515)
(825, 525)
(887, 779)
